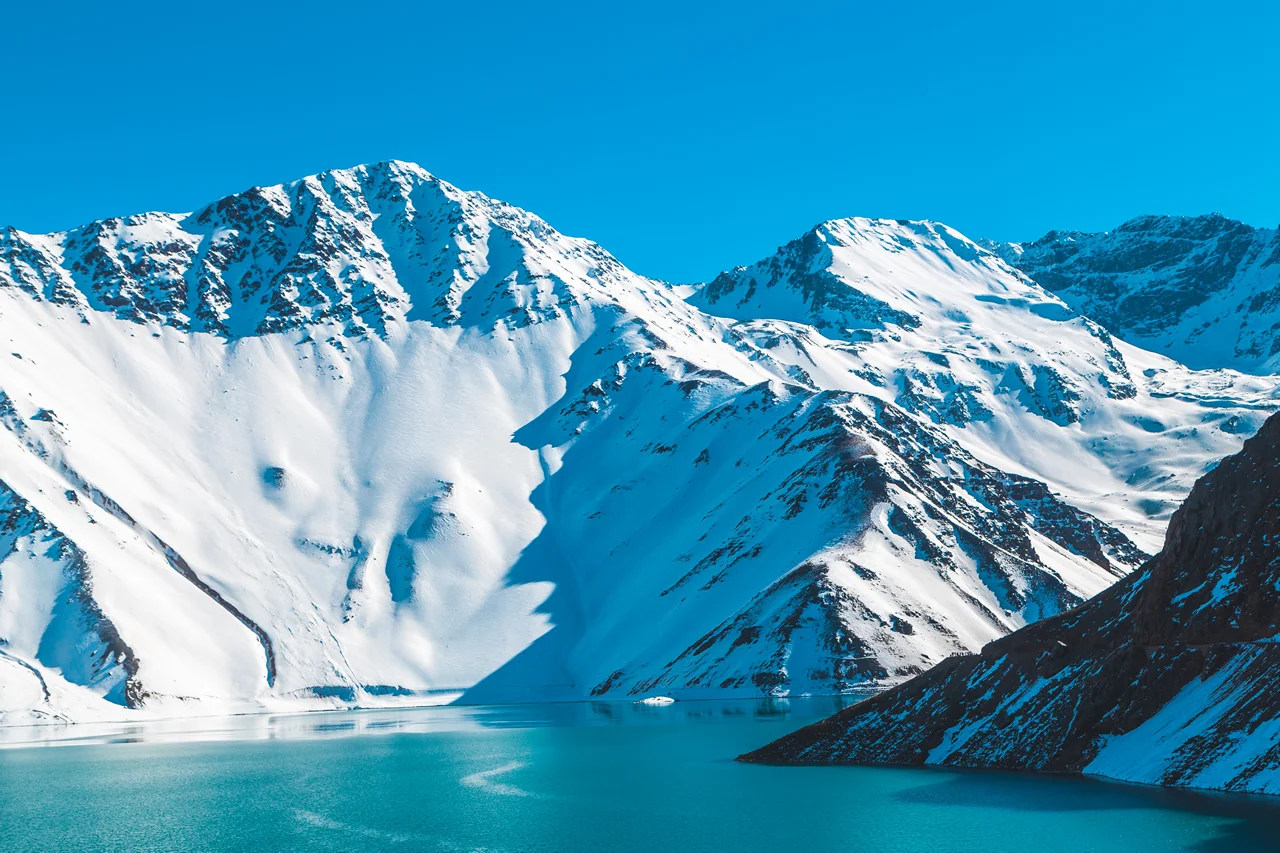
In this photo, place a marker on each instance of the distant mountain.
(1167, 678)
(367, 438)
(1202, 290)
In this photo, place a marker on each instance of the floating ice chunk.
(657, 700)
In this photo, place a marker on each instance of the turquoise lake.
(575, 777)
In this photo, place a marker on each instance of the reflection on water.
(440, 718)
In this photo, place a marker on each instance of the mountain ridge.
(1203, 289)
(1164, 678)
(262, 260)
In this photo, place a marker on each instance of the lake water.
(577, 777)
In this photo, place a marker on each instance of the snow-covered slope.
(1166, 678)
(917, 314)
(369, 438)
(1203, 290)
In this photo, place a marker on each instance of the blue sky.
(684, 137)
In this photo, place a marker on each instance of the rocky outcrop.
(1169, 677)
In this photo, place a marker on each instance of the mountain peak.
(925, 232)
(362, 247)
(847, 275)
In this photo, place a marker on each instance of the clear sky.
(685, 137)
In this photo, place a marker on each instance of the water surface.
(578, 777)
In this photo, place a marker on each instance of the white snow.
(498, 467)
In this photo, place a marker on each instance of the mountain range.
(366, 438)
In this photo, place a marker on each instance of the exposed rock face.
(1204, 290)
(1169, 677)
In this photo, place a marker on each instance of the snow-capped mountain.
(1166, 678)
(1203, 290)
(370, 438)
(917, 314)
(356, 248)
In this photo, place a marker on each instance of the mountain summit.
(361, 247)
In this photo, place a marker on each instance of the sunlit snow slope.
(367, 438)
